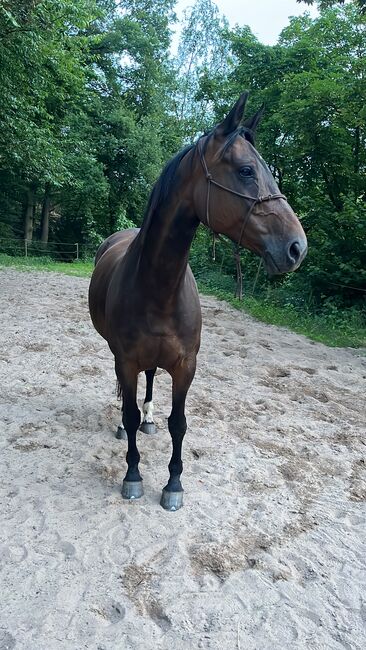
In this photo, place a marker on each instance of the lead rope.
(239, 274)
(255, 201)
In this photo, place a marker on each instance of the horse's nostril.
(295, 251)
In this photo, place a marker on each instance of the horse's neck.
(165, 248)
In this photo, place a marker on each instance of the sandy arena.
(268, 552)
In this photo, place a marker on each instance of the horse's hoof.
(121, 433)
(132, 489)
(171, 501)
(148, 427)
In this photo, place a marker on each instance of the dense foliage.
(85, 112)
(93, 103)
(313, 85)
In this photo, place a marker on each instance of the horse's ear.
(252, 122)
(233, 119)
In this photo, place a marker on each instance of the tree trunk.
(45, 215)
(29, 214)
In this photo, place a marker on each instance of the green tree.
(44, 87)
(138, 133)
(325, 4)
(86, 112)
(313, 136)
(202, 52)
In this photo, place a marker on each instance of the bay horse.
(143, 297)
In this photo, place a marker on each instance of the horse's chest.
(161, 326)
(153, 350)
(150, 336)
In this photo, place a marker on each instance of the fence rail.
(66, 251)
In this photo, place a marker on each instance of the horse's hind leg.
(132, 483)
(147, 424)
(172, 495)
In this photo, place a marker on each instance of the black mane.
(163, 186)
(164, 183)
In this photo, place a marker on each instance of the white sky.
(266, 18)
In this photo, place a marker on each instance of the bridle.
(255, 199)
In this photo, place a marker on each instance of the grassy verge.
(77, 268)
(335, 328)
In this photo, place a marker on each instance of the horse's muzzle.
(284, 260)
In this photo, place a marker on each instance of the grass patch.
(77, 268)
(333, 327)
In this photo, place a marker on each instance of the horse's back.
(108, 255)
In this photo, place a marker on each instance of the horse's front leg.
(132, 483)
(172, 495)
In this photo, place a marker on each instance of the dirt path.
(268, 552)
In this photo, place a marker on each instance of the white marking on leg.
(148, 409)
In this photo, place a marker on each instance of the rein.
(256, 200)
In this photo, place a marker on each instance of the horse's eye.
(246, 172)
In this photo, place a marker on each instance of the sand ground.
(268, 552)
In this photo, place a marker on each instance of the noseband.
(256, 200)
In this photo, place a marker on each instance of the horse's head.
(239, 197)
